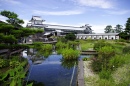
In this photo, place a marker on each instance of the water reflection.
(37, 57)
(68, 64)
(52, 71)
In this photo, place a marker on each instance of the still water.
(52, 71)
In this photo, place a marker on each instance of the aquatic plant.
(69, 54)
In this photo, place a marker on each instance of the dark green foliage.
(119, 28)
(96, 64)
(70, 36)
(12, 18)
(127, 29)
(126, 49)
(108, 29)
(102, 61)
(12, 33)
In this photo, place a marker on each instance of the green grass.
(120, 76)
(85, 45)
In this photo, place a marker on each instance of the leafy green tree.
(118, 28)
(70, 36)
(12, 32)
(108, 29)
(127, 29)
(12, 18)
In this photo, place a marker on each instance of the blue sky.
(96, 13)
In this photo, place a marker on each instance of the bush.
(73, 44)
(100, 44)
(105, 54)
(61, 45)
(70, 54)
(96, 64)
(102, 61)
(14, 64)
(118, 61)
(4, 63)
(46, 47)
(85, 58)
(122, 40)
(105, 74)
(37, 45)
(126, 49)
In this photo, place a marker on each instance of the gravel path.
(87, 69)
(90, 77)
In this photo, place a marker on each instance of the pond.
(52, 71)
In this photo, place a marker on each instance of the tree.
(127, 29)
(70, 36)
(108, 29)
(118, 28)
(12, 18)
(12, 32)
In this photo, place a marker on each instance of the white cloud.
(68, 12)
(98, 28)
(2, 18)
(95, 3)
(11, 1)
(25, 22)
(118, 12)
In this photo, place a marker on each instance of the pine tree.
(127, 29)
(12, 31)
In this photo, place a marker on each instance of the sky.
(97, 13)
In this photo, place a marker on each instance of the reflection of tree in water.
(38, 56)
(68, 64)
(35, 83)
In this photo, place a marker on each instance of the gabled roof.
(62, 27)
(36, 18)
(99, 34)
